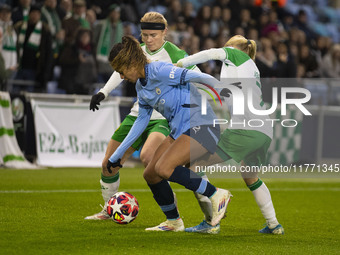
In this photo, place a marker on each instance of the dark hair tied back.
(115, 51)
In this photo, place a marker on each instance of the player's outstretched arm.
(203, 78)
(136, 131)
(110, 85)
(174, 76)
(201, 57)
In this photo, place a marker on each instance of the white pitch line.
(147, 190)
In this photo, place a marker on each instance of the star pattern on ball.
(132, 202)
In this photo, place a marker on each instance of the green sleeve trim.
(237, 57)
(4, 103)
(176, 54)
(110, 179)
(6, 131)
(255, 185)
(13, 158)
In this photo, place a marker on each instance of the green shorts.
(248, 145)
(122, 131)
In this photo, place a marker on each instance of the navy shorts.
(206, 135)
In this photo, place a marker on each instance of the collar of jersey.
(144, 81)
(153, 53)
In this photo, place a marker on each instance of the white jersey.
(167, 53)
(240, 69)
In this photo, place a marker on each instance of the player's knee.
(145, 157)
(148, 175)
(162, 170)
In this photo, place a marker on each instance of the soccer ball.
(122, 207)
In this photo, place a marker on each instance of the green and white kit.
(239, 69)
(167, 53)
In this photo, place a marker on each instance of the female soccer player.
(154, 29)
(168, 89)
(244, 143)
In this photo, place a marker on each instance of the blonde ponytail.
(243, 44)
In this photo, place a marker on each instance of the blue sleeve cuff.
(183, 75)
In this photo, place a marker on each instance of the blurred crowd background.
(61, 46)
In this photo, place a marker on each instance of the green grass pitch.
(42, 212)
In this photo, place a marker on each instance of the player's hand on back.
(95, 101)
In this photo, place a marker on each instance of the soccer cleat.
(102, 215)
(278, 230)
(219, 203)
(204, 227)
(169, 225)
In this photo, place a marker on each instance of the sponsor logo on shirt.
(172, 72)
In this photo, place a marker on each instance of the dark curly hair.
(126, 54)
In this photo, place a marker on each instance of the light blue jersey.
(169, 90)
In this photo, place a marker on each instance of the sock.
(164, 197)
(109, 185)
(264, 201)
(205, 203)
(192, 181)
